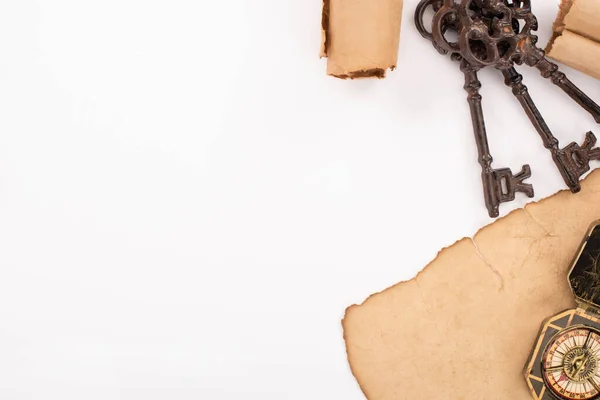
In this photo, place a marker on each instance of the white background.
(188, 203)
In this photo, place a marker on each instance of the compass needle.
(587, 340)
(594, 384)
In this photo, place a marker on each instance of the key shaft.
(499, 186)
(550, 71)
(572, 161)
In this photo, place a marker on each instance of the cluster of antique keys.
(565, 361)
(498, 33)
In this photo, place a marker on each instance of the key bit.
(501, 186)
(507, 184)
(577, 159)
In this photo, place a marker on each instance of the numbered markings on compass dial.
(571, 362)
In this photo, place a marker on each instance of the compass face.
(565, 361)
(571, 364)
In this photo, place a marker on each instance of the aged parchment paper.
(465, 326)
(576, 39)
(360, 38)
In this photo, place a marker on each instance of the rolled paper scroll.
(576, 39)
(360, 38)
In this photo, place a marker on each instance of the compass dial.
(571, 364)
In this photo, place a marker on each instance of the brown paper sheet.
(465, 326)
(360, 38)
(576, 39)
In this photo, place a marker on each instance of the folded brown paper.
(576, 39)
(360, 38)
(465, 326)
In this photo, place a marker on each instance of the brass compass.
(565, 362)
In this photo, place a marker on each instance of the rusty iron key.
(572, 161)
(499, 185)
(498, 34)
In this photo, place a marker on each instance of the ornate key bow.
(498, 33)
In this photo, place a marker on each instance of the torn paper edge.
(379, 73)
(558, 26)
(325, 28)
(428, 265)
